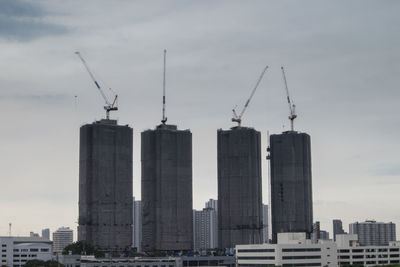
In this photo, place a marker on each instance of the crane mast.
(292, 107)
(238, 118)
(164, 119)
(109, 106)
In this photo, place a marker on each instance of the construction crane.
(164, 119)
(292, 106)
(109, 106)
(238, 118)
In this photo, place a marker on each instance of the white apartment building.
(292, 249)
(372, 233)
(16, 251)
(205, 229)
(350, 252)
(137, 225)
(62, 238)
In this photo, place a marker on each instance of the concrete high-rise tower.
(105, 185)
(291, 187)
(240, 215)
(167, 189)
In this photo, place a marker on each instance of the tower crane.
(164, 119)
(109, 106)
(292, 106)
(238, 118)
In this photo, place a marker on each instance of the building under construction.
(291, 186)
(105, 185)
(167, 189)
(239, 187)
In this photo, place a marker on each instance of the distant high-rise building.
(212, 203)
(137, 225)
(46, 233)
(205, 228)
(291, 186)
(105, 185)
(167, 222)
(337, 228)
(62, 238)
(265, 224)
(316, 232)
(32, 234)
(372, 233)
(240, 216)
(323, 235)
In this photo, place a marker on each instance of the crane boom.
(237, 118)
(109, 107)
(292, 106)
(164, 119)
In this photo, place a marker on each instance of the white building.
(372, 233)
(350, 252)
(137, 225)
(293, 249)
(16, 251)
(205, 229)
(62, 238)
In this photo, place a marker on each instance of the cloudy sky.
(342, 61)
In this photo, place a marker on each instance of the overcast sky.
(342, 61)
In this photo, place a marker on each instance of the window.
(358, 256)
(4, 256)
(302, 264)
(344, 250)
(394, 255)
(344, 257)
(256, 250)
(24, 255)
(34, 250)
(301, 257)
(24, 250)
(3, 245)
(46, 250)
(394, 249)
(3, 250)
(300, 249)
(256, 258)
(16, 250)
(357, 250)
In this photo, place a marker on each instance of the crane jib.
(98, 86)
(288, 100)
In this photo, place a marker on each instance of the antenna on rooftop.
(164, 119)
(9, 229)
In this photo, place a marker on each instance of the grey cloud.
(23, 21)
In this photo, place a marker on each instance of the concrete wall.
(240, 216)
(291, 186)
(167, 189)
(105, 185)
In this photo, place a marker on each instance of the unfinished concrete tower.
(105, 185)
(239, 187)
(291, 187)
(167, 189)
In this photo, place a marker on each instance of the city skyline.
(342, 74)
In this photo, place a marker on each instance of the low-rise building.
(16, 251)
(350, 252)
(292, 249)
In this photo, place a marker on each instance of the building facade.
(105, 185)
(61, 238)
(137, 225)
(372, 233)
(16, 251)
(167, 222)
(292, 249)
(351, 253)
(46, 233)
(240, 215)
(205, 229)
(265, 224)
(291, 185)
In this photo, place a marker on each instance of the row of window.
(369, 250)
(301, 257)
(24, 255)
(257, 250)
(256, 258)
(302, 264)
(368, 262)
